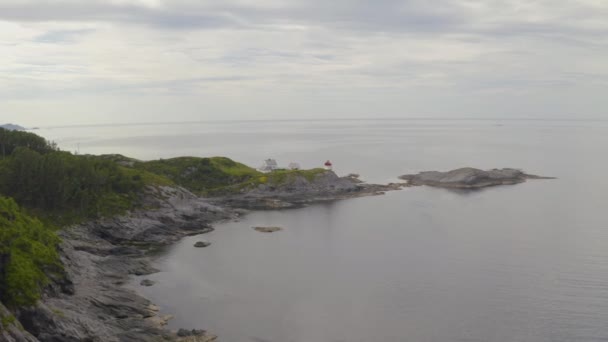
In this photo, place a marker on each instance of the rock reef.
(469, 178)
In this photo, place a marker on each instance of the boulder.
(202, 244)
(147, 282)
(268, 229)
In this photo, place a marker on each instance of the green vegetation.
(11, 140)
(279, 177)
(66, 188)
(27, 252)
(218, 175)
(201, 175)
(7, 320)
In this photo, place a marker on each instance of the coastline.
(93, 302)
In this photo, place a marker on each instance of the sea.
(525, 263)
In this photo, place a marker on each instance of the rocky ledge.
(300, 191)
(469, 178)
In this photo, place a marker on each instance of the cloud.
(446, 57)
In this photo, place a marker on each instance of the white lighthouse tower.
(328, 165)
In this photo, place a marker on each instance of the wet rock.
(267, 229)
(202, 244)
(147, 282)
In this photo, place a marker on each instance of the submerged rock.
(469, 178)
(202, 244)
(147, 282)
(268, 229)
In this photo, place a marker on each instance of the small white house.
(268, 166)
(294, 166)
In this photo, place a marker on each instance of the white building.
(269, 165)
(294, 166)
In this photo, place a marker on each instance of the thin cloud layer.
(131, 60)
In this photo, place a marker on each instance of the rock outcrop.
(267, 229)
(469, 178)
(299, 191)
(10, 328)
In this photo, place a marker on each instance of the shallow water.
(515, 263)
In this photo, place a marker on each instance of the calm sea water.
(516, 263)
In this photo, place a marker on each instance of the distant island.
(13, 127)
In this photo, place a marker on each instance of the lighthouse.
(328, 165)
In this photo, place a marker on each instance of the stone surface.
(10, 328)
(147, 282)
(267, 229)
(300, 191)
(469, 178)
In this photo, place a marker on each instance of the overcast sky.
(101, 61)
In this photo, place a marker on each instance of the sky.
(104, 61)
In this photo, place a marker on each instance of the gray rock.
(202, 244)
(184, 333)
(147, 282)
(300, 191)
(267, 229)
(11, 329)
(469, 178)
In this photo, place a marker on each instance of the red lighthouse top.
(328, 163)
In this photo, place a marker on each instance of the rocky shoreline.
(92, 302)
(469, 178)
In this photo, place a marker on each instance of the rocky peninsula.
(93, 301)
(469, 178)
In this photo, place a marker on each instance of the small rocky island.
(267, 229)
(469, 178)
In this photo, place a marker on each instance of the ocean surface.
(525, 263)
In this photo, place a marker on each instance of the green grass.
(280, 177)
(148, 178)
(217, 175)
(201, 175)
(7, 320)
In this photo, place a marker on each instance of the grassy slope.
(217, 175)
